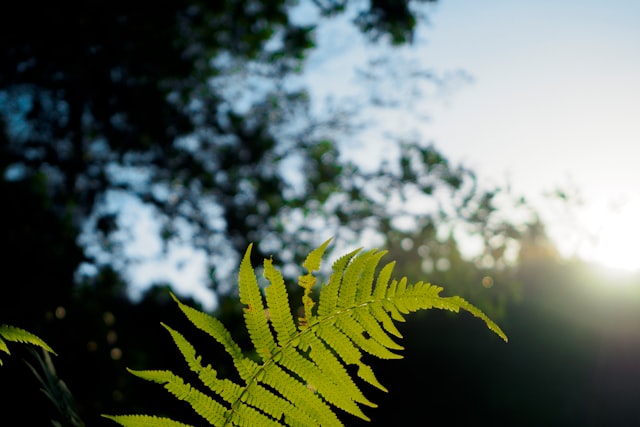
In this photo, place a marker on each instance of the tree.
(186, 109)
(117, 90)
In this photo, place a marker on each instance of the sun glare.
(617, 239)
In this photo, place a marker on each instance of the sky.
(555, 104)
(540, 96)
(552, 104)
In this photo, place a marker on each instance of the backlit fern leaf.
(145, 421)
(11, 333)
(302, 374)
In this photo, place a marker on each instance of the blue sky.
(549, 80)
(554, 103)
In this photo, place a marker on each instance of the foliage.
(180, 107)
(13, 334)
(301, 370)
(56, 391)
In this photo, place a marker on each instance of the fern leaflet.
(11, 333)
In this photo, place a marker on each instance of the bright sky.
(554, 104)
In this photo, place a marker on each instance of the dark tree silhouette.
(107, 97)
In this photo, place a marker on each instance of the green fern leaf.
(211, 410)
(314, 259)
(254, 314)
(144, 421)
(4, 348)
(308, 281)
(302, 374)
(13, 334)
(328, 300)
(278, 303)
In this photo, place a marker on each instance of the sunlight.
(617, 238)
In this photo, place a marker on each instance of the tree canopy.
(186, 109)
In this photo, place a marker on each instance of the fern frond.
(4, 348)
(212, 327)
(144, 421)
(13, 334)
(456, 303)
(209, 409)
(302, 374)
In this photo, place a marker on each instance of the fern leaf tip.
(313, 260)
